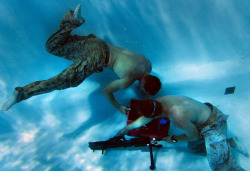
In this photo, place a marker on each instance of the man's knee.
(49, 46)
(75, 83)
(52, 48)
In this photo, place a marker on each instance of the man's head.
(150, 84)
(149, 108)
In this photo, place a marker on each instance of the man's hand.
(145, 95)
(168, 139)
(121, 132)
(124, 109)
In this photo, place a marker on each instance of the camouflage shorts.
(217, 145)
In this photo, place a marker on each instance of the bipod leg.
(152, 167)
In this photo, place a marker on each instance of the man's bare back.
(185, 108)
(126, 63)
(129, 67)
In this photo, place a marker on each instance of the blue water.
(197, 48)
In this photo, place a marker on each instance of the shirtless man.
(196, 120)
(89, 55)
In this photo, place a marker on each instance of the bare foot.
(77, 14)
(235, 143)
(10, 102)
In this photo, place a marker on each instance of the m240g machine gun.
(147, 135)
(122, 142)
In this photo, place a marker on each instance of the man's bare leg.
(10, 102)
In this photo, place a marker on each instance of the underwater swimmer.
(89, 55)
(198, 121)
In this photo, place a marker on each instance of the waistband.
(106, 62)
(104, 46)
(107, 58)
(107, 54)
(212, 117)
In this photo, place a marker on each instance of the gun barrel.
(116, 143)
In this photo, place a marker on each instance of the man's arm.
(136, 124)
(191, 133)
(114, 86)
(144, 95)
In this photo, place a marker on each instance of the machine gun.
(122, 142)
(147, 135)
